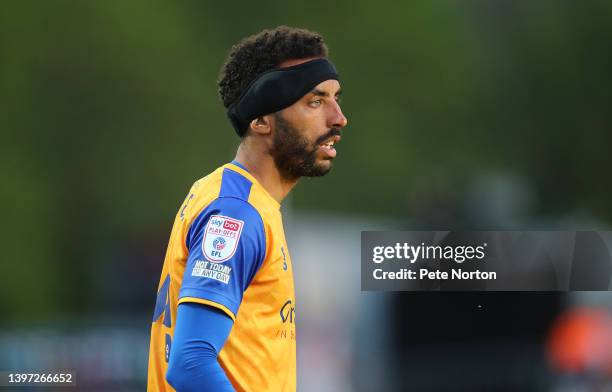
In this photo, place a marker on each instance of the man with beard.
(224, 317)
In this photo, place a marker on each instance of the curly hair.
(264, 51)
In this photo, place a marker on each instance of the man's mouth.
(329, 143)
(328, 146)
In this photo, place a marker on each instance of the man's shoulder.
(226, 220)
(223, 191)
(228, 189)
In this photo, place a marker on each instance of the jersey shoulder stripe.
(235, 185)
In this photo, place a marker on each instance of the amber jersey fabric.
(228, 250)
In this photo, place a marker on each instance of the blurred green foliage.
(109, 113)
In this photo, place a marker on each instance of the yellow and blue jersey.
(228, 250)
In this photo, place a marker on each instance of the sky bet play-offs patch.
(219, 244)
(221, 237)
(486, 260)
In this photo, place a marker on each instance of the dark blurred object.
(473, 341)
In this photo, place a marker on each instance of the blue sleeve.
(227, 245)
(199, 335)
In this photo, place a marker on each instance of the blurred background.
(471, 114)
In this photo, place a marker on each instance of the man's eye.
(315, 103)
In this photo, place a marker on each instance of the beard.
(294, 156)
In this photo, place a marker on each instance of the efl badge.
(221, 238)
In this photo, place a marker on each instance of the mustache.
(332, 132)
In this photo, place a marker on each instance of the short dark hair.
(262, 52)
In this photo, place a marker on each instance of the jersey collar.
(239, 168)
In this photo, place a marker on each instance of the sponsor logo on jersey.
(221, 237)
(287, 312)
(287, 315)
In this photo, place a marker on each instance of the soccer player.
(224, 317)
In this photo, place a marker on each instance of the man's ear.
(261, 125)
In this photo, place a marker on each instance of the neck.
(261, 165)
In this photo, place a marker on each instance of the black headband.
(277, 89)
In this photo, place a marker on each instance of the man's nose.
(336, 117)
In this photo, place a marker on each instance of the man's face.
(306, 132)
